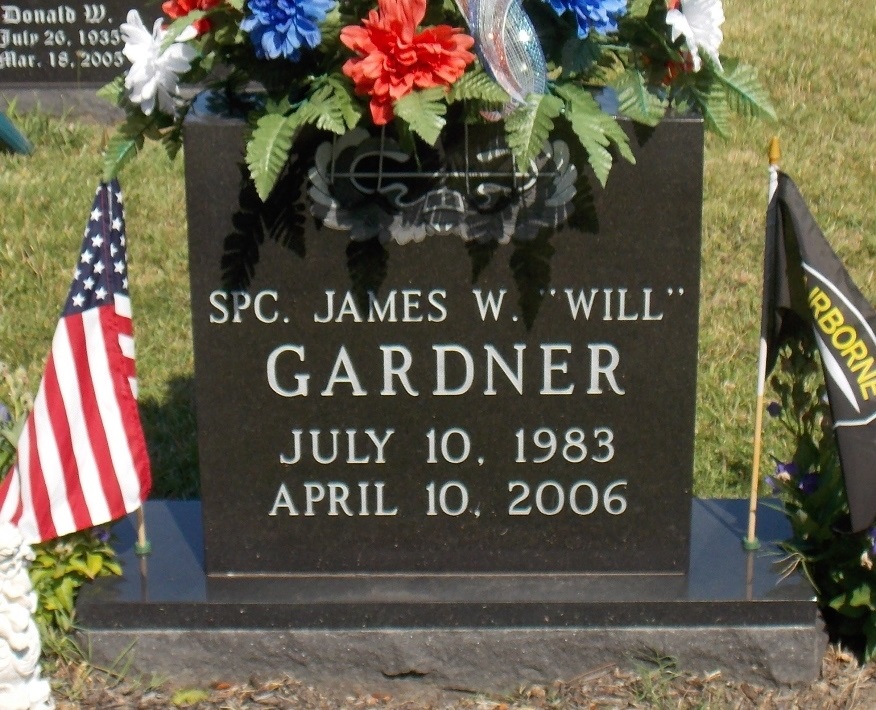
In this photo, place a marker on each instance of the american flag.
(82, 458)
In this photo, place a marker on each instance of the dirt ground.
(844, 684)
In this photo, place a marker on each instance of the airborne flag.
(805, 282)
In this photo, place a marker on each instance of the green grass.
(818, 64)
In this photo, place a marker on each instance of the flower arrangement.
(420, 64)
(809, 482)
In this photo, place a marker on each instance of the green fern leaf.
(530, 125)
(330, 108)
(745, 95)
(345, 101)
(476, 85)
(127, 142)
(114, 92)
(579, 55)
(639, 8)
(268, 150)
(424, 113)
(636, 100)
(715, 110)
(596, 130)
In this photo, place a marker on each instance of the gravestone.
(445, 424)
(54, 54)
(48, 43)
(536, 418)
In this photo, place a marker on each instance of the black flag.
(806, 283)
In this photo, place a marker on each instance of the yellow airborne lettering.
(831, 320)
(819, 302)
(846, 340)
(864, 367)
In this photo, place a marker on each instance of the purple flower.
(101, 534)
(871, 534)
(598, 15)
(808, 483)
(280, 28)
(784, 474)
(774, 409)
(789, 469)
(5, 414)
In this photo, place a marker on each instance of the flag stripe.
(103, 350)
(65, 493)
(10, 495)
(36, 515)
(123, 306)
(94, 469)
(47, 458)
(97, 434)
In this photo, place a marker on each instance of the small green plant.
(839, 563)
(656, 673)
(12, 415)
(63, 565)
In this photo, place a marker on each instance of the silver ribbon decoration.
(507, 45)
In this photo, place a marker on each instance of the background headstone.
(62, 44)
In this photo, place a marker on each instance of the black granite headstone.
(65, 43)
(437, 363)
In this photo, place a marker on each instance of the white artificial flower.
(154, 75)
(699, 22)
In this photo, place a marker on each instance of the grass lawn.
(818, 65)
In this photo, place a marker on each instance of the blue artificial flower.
(5, 414)
(598, 15)
(280, 28)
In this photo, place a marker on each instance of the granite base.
(732, 612)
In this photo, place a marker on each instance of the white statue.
(20, 685)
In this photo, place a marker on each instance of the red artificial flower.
(175, 9)
(394, 59)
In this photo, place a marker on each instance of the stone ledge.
(732, 612)
(477, 660)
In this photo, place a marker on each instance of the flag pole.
(142, 546)
(750, 542)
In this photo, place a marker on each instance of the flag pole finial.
(774, 151)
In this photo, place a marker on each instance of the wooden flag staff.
(750, 542)
(143, 546)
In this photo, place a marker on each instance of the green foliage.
(268, 149)
(187, 697)
(331, 107)
(424, 112)
(637, 99)
(129, 139)
(14, 407)
(61, 567)
(744, 93)
(476, 85)
(595, 129)
(838, 562)
(529, 126)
